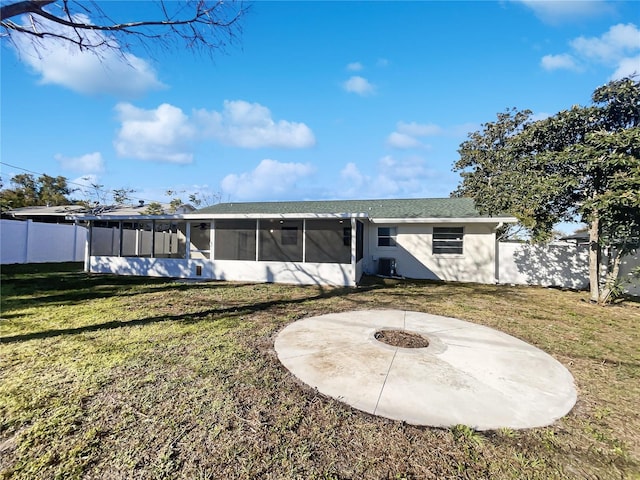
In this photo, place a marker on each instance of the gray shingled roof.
(389, 208)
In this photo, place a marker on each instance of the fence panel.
(559, 265)
(34, 242)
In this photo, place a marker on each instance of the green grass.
(123, 377)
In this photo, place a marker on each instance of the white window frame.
(451, 237)
(392, 237)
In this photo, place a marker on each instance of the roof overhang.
(491, 220)
(288, 216)
(215, 216)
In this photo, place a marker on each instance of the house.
(310, 242)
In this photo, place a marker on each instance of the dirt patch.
(401, 338)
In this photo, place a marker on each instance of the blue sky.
(316, 100)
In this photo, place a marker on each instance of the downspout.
(496, 254)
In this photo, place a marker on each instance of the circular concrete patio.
(468, 374)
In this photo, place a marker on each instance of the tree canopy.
(29, 191)
(195, 24)
(579, 164)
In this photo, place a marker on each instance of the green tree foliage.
(29, 191)
(154, 208)
(582, 163)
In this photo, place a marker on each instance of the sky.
(313, 101)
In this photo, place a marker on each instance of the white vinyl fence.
(563, 265)
(34, 242)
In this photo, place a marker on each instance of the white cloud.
(103, 69)
(358, 85)
(89, 163)
(558, 62)
(402, 140)
(617, 48)
(612, 46)
(382, 62)
(160, 134)
(270, 180)
(391, 177)
(250, 125)
(355, 66)
(627, 67)
(420, 129)
(555, 12)
(407, 134)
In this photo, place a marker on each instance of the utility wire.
(108, 192)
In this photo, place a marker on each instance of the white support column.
(354, 242)
(121, 230)
(87, 248)
(212, 240)
(257, 239)
(304, 240)
(187, 253)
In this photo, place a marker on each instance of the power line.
(95, 187)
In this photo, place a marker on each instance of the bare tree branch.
(196, 23)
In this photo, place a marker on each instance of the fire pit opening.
(401, 338)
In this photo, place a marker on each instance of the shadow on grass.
(214, 313)
(73, 287)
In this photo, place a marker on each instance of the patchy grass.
(121, 377)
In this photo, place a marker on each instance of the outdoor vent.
(387, 267)
(199, 270)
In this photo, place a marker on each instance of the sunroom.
(324, 249)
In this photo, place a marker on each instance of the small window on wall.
(387, 236)
(448, 240)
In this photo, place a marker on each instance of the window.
(387, 236)
(448, 240)
(289, 236)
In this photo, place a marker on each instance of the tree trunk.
(594, 258)
(612, 277)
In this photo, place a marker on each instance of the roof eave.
(217, 216)
(446, 220)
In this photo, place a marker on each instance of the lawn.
(120, 377)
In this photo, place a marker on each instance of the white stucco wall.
(414, 257)
(232, 270)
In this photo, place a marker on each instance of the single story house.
(307, 242)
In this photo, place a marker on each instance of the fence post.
(27, 238)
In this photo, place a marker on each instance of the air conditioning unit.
(387, 267)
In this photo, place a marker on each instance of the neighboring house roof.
(57, 211)
(62, 211)
(385, 209)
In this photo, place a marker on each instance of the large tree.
(194, 24)
(29, 191)
(580, 164)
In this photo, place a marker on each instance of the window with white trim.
(387, 236)
(448, 240)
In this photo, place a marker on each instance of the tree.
(582, 163)
(196, 24)
(29, 191)
(154, 208)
